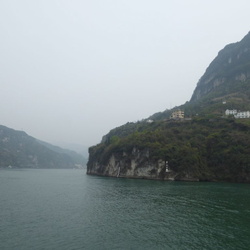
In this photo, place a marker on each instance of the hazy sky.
(72, 70)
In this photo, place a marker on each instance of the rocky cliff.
(207, 146)
(232, 64)
(135, 164)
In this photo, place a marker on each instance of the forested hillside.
(19, 150)
(204, 145)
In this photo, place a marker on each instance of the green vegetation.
(207, 149)
(19, 150)
(209, 146)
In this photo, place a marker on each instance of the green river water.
(66, 209)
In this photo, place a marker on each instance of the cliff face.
(134, 164)
(208, 146)
(231, 65)
(202, 149)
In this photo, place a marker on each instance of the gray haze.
(72, 70)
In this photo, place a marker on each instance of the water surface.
(66, 209)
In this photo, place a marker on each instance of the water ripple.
(65, 209)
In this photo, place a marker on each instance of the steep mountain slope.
(226, 80)
(231, 66)
(17, 149)
(206, 146)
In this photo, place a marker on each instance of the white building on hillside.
(243, 114)
(238, 114)
(231, 112)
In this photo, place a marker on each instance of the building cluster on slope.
(238, 114)
(177, 114)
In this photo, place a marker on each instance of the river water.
(66, 209)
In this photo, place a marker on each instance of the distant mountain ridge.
(19, 150)
(77, 157)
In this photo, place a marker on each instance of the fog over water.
(72, 70)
